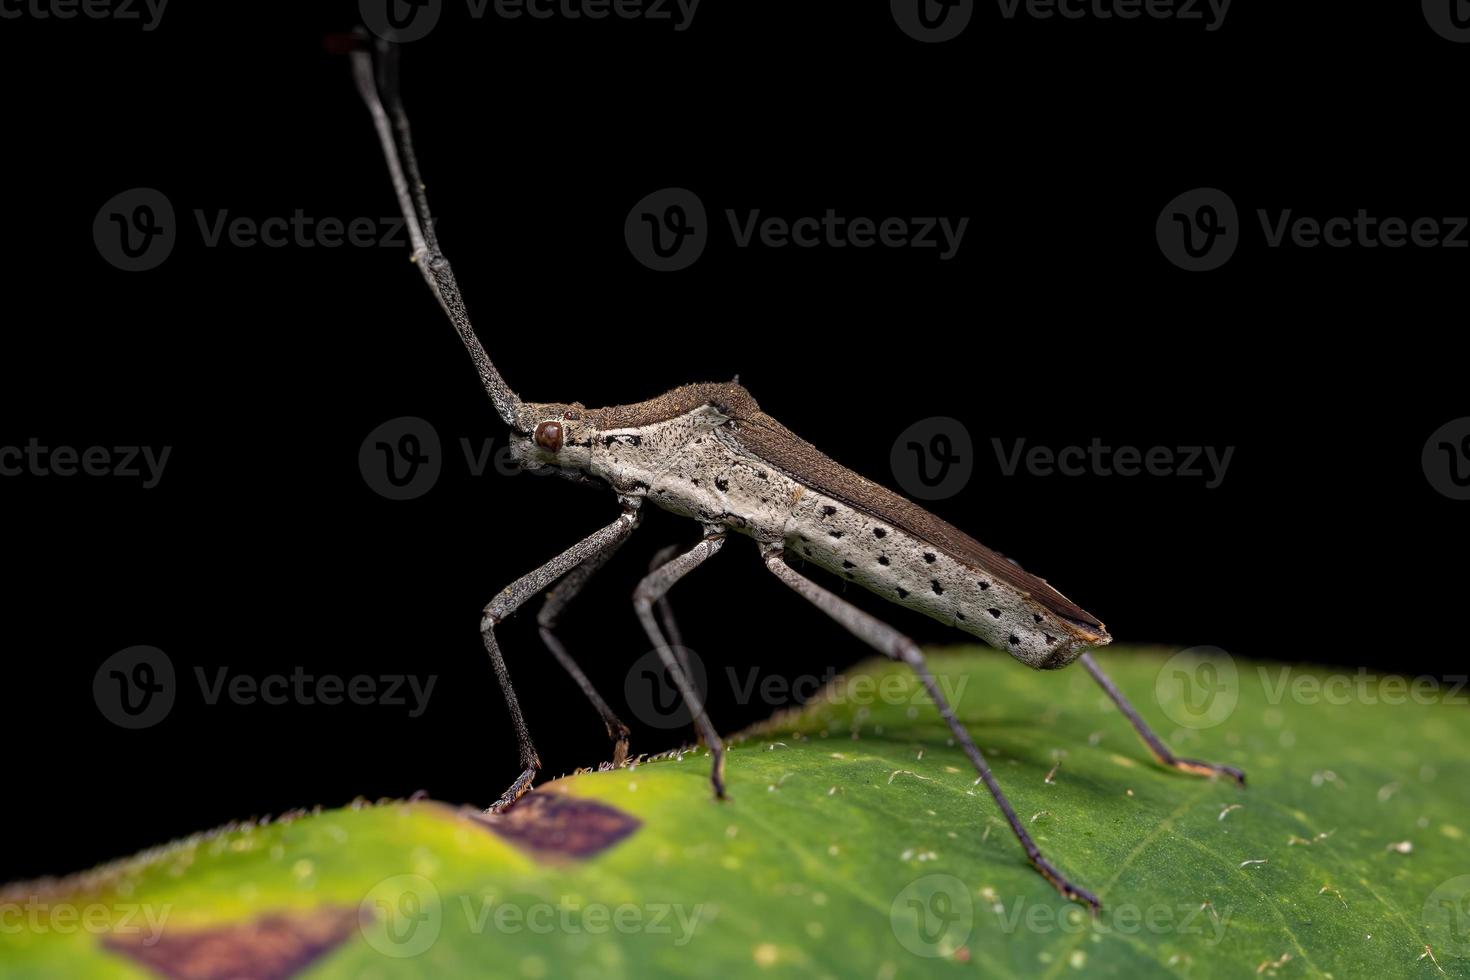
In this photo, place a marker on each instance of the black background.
(263, 548)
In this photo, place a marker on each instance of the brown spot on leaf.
(271, 947)
(557, 825)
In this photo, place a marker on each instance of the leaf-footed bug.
(707, 452)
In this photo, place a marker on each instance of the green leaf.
(855, 843)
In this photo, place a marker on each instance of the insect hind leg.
(892, 643)
(665, 611)
(1156, 745)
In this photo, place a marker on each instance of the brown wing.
(777, 445)
(728, 397)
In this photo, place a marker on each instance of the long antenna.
(376, 73)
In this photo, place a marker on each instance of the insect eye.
(548, 436)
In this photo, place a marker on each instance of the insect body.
(707, 452)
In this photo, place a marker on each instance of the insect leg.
(666, 611)
(1155, 744)
(556, 602)
(511, 598)
(891, 642)
(653, 588)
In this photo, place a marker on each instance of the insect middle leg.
(891, 642)
(665, 611)
(653, 588)
(556, 602)
(1155, 744)
(515, 595)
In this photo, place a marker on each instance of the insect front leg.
(511, 598)
(1155, 744)
(653, 588)
(891, 642)
(556, 602)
